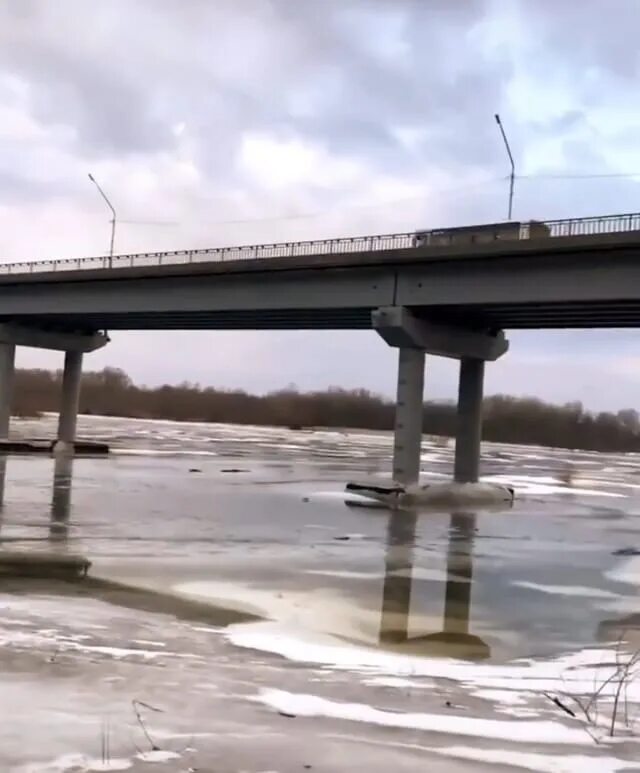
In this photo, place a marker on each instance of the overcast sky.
(213, 122)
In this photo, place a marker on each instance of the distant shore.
(527, 420)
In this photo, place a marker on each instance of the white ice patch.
(399, 683)
(346, 498)
(160, 452)
(574, 673)
(37, 631)
(529, 484)
(509, 697)
(52, 639)
(541, 763)
(344, 574)
(157, 755)
(567, 590)
(627, 571)
(75, 763)
(535, 731)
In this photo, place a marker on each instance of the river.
(346, 638)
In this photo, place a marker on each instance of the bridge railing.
(586, 226)
(592, 226)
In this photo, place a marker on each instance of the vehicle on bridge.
(481, 234)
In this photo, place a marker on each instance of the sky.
(217, 122)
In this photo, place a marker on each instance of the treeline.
(506, 419)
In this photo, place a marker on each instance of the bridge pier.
(414, 337)
(7, 369)
(407, 437)
(69, 401)
(74, 345)
(466, 466)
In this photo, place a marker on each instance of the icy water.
(388, 640)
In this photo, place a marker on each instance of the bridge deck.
(564, 280)
(450, 241)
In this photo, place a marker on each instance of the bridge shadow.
(455, 639)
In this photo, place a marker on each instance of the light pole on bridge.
(113, 217)
(513, 166)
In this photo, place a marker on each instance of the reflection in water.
(454, 639)
(396, 592)
(3, 475)
(61, 497)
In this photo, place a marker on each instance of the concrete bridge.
(448, 292)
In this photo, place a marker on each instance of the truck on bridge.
(481, 234)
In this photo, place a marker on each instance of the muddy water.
(254, 518)
(386, 639)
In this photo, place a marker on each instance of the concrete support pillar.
(7, 368)
(407, 439)
(469, 429)
(70, 398)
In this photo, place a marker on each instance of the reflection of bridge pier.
(3, 477)
(60, 493)
(396, 592)
(61, 497)
(454, 639)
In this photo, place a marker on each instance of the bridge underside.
(609, 314)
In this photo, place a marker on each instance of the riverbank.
(521, 420)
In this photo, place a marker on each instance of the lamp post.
(513, 166)
(113, 217)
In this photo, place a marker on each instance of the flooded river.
(362, 639)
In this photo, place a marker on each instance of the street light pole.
(113, 217)
(513, 166)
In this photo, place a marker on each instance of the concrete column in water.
(70, 397)
(469, 426)
(407, 441)
(7, 368)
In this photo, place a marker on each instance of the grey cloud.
(592, 35)
(122, 73)
(80, 87)
(144, 64)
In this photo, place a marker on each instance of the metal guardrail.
(585, 226)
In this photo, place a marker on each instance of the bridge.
(450, 292)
